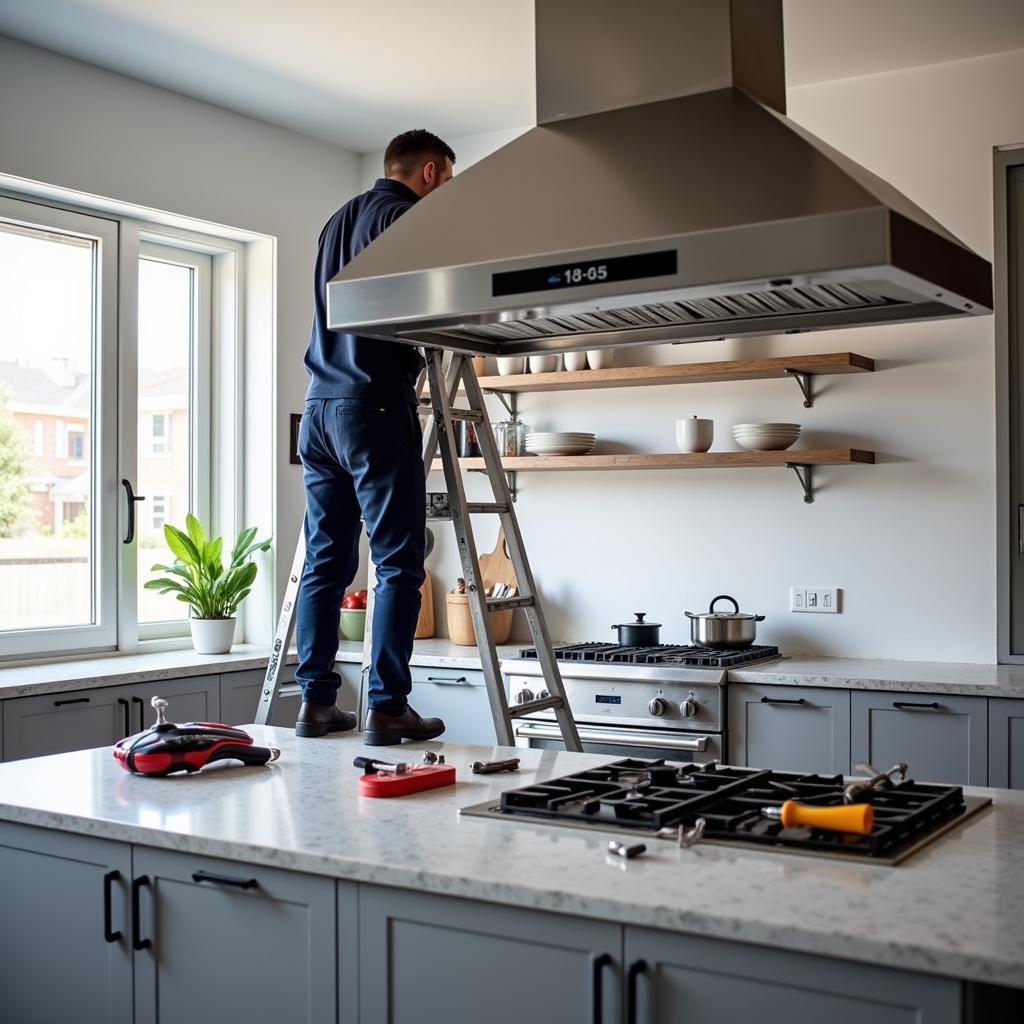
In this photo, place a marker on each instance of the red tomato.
(351, 601)
(362, 595)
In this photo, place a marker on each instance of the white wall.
(77, 126)
(910, 540)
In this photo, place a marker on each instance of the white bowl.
(600, 358)
(544, 364)
(767, 426)
(766, 444)
(575, 361)
(509, 365)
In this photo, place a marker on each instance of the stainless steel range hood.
(663, 196)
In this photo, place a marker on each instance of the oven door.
(667, 744)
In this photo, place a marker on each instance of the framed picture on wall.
(293, 442)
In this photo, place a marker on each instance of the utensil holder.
(460, 622)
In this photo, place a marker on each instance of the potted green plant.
(199, 579)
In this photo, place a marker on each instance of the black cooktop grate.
(661, 654)
(647, 795)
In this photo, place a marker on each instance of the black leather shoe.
(319, 720)
(386, 730)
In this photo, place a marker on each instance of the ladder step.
(469, 415)
(504, 604)
(544, 704)
(495, 508)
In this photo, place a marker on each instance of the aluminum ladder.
(444, 374)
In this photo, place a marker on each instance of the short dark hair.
(411, 150)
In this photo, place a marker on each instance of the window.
(157, 511)
(69, 581)
(159, 434)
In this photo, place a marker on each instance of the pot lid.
(639, 622)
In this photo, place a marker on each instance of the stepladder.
(445, 374)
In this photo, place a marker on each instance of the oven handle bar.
(546, 732)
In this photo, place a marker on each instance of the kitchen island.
(280, 887)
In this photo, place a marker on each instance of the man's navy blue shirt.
(346, 365)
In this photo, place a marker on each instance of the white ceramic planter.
(212, 636)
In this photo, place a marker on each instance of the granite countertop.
(955, 908)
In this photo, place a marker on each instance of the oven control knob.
(524, 696)
(543, 695)
(689, 708)
(658, 707)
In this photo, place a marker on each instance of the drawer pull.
(636, 968)
(237, 883)
(597, 965)
(138, 943)
(70, 700)
(127, 721)
(109, 935)
(456, 681)
(910, 705)
(783, 700)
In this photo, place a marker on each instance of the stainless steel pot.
(639, 633)
(721, 629)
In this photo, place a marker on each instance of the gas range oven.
(666, 701)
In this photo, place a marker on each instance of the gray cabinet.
(1006, 743)
(240, 695)
(789, 728)
(51, 723)
(435, 958)
(64, 928)
(244, 943)
(676, 978)
(190, 699)
(457, 695)
(942, 738)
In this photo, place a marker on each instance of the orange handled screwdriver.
(857, 818)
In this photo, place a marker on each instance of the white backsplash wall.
(910, 540)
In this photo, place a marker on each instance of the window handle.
(132, 499)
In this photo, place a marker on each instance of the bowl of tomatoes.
(353, 615)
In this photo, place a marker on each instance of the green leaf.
(244, 539)
(181, 545)
(195, 530)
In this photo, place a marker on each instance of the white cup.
(510, 365)
(575, 361)
(600, 358)
(694, 435)
(544, 364)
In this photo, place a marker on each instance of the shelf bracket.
(509, 400)
(510, 476)
(805, 474)
(804, 380)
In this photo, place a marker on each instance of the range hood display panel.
(574, 275)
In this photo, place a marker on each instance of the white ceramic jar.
(694, 435)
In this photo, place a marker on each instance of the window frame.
(102, 632)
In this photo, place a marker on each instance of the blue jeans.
(360, 455)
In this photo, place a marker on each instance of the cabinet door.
(679, 978)
(191, 699)
(789, 728)
(240, 695)
(435, 958)
(63, 897)
(942, 738)
(458, 696)
(51, 723)
(233, 942)
(1006, 743)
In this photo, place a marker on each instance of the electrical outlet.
(822, 600)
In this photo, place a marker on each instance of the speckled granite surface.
(956, 908)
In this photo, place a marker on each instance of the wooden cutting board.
(496, 567)
(425, 622)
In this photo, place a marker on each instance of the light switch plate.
(820, 600)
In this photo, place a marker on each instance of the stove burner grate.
(661, 654)
(650, 795)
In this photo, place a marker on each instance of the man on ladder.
(361, 448)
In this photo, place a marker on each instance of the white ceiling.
(356, 72)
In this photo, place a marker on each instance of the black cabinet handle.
(123, 701)
(138, 943)
(909, 705)
(597, 966)
(132, 499)
(142, 704)
(109, 935)
(783, 700)
(446, 679)
(237, 883)
(70, 700)
(636, 968)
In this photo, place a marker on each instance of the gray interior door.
(789, 728)
(942, 738)
(703, 981)
(439, 959)
(51, 723)
(57, 963)
(248, 943)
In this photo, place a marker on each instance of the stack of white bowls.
(560, 442)
(766, 437)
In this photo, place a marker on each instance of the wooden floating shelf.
(673, 460)
(684, 373)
